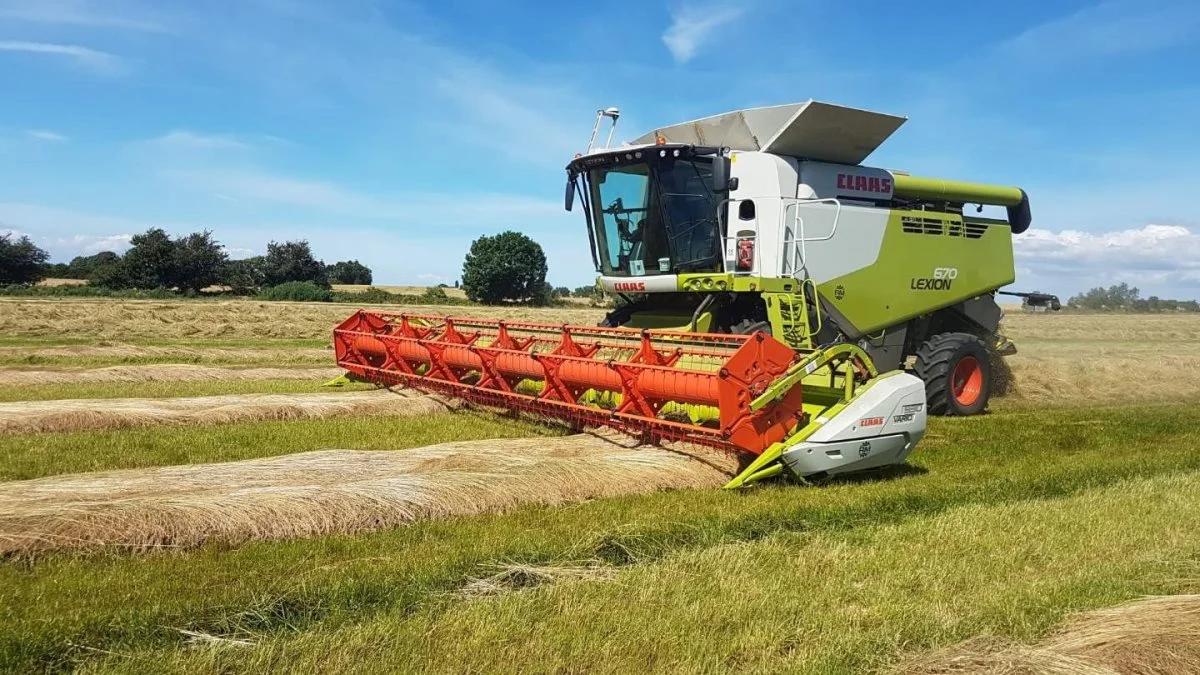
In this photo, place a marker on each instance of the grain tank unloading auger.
(776, 298)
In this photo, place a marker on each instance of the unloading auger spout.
(749, 394)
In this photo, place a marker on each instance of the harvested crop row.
(1104, 379)
(107, 319)
(83, 414)
(1155, 635)
(167, 372)
(333, 491)
(122, 353)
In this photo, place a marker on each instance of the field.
(178, 493)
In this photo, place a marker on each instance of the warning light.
(660, 141)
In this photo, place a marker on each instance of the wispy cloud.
(90, 244)
(256, 184)
(190, 140)
(80, 13)
(93, 59)
(523, 120)
(1105, 30)
(693, 25)
(44, 135)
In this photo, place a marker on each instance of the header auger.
(775, 297)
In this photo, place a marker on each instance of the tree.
(55, 271)
(110, 274)
(20, 261)
(1118, 296)
(562, 291)
(198, 262)
(150, 262)
(584, 292)
(292, 261)
(81, 267)
(350, 272)
(244, 276)
(507, 267)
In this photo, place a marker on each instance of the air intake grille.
(947, 228)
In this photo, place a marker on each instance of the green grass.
(53, 392)
(27, 456)
(842, 601)
(1007, 522)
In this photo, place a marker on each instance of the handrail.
(798, 244)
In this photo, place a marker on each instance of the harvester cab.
(775, 298)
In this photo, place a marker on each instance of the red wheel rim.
(967, 382)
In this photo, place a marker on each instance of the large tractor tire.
(957, 371)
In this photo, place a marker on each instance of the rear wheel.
(957, 371)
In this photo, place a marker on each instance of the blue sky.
(397, 132)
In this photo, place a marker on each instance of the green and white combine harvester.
(775, 297)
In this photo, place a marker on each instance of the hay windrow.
(1159, 635)
(21, 417)
(333, 491)
(126, 353)
(168, 372)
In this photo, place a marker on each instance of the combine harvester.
(777, 299)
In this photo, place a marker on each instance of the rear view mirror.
(570, 197)
(720, 173)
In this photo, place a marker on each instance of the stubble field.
(179, 493)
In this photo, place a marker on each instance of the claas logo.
(629, 286)
(849, 181)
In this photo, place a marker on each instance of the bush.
(298, 291)
(86, 292)
(434, 294)
(507, 267)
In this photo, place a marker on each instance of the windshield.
(656, 218)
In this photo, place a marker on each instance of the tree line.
(507, 268)
(187, 264)
(1125, 298)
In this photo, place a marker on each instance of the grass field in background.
(1079, 491)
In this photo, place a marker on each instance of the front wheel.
(957, 372)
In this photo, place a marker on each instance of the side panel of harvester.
(924, 261)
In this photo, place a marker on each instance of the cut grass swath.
(159, 373)
(334, 491)
(24, 417)
(1159, 635)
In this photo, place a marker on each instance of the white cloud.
(693, 25)
(94, 59)
(44, 135)
(1165, 256)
